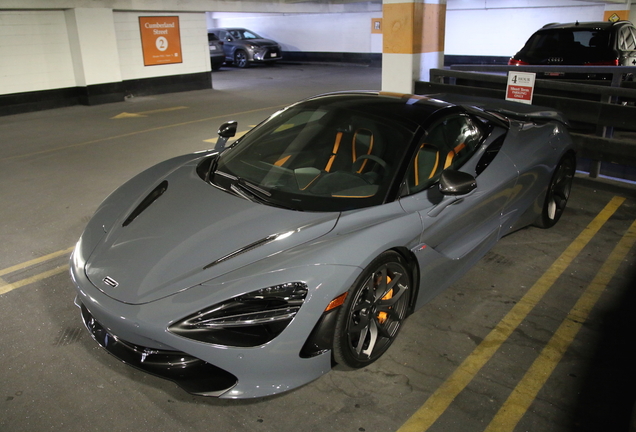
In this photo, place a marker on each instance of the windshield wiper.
(250, 192)
(255, 194)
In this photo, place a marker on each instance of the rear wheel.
(373, 312)
(240, 59)
(558, 192)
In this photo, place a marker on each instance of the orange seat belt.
(334, 152)
(451, 154)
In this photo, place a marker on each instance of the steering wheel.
(373, 158)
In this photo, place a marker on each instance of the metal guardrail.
(602, 117)
(616, 72)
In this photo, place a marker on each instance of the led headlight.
(250, 319)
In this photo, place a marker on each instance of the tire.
(558, 192)
(216, 66)
(373, 312)
(240, 59)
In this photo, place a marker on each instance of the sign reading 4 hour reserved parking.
(520, 87)
(160, 40)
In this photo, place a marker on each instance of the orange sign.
(376, 25)
(616, 15)
(160, 40)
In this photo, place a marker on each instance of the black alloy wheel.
(558, 192)
(240, 59)
(373, 312)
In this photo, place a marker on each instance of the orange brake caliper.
(382, 316)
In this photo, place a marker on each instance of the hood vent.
(152, 196)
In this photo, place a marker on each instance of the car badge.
(110, 281)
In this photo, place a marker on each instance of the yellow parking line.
(441, 399)
(535, 378)
(35, 261)
(10, 287)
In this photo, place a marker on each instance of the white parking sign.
(520, 87)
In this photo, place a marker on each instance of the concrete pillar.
(413, 42)
(615, 12)
(94, 51)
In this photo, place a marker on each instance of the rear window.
(563, 41)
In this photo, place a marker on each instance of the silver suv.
(243, 47)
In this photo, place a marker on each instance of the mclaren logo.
(110, 281)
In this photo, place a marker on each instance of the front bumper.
(138, 334)
(190, 373)
(267, 55)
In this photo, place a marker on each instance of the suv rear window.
(562, 41)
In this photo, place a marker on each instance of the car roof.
(396, 105)
(601, 25)
(226, 28)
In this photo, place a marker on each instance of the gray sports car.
(253, 268)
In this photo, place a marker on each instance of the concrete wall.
(43, 50)
(500, 28)
(344, 32)
(34, 51)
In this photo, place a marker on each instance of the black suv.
(589, 43)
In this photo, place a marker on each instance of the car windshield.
(567, 42)
(322, 155)
(243, 34)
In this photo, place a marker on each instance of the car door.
(228, 47)
(457, 230)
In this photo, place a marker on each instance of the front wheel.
(558, 192)
(373, 312)
(240, 59)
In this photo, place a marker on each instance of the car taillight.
(603, 63)
(515, 62)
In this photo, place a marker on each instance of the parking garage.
(534, 337)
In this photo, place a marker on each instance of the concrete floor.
(455, 363)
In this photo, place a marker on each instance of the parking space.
(535, 337)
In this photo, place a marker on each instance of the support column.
(95, 55)
(413, 42)
(615, 12)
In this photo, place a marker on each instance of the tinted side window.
(448, 144)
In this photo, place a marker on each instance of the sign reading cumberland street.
(160, 40)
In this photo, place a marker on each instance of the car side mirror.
(226, 131)
(454, 182)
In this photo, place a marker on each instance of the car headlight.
(247, 320)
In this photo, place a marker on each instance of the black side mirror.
(226, 131)
(454, 182)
